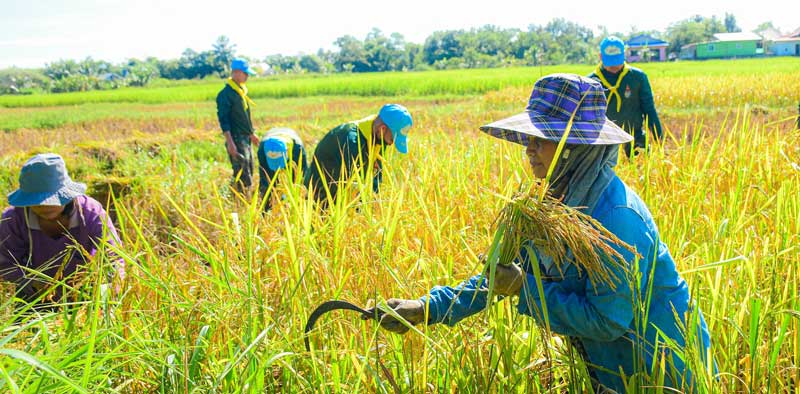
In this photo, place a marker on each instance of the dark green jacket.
(637, 104)
(232, 115)
(341, 153)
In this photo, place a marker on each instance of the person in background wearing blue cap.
(356, 147)
(630, 98)
(278, 147)
(616, 335)
(51, 228)
(233, 112)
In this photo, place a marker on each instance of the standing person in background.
(279, 147)
(355, 147)
(233, 112)
(630, 98)
(51, 229)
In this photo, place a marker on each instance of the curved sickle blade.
(334, 305)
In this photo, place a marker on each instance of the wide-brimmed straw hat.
(554, 99)
(44, 181)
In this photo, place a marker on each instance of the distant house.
(644, 48)
(688, 52)
(788, 45)
(769, 33)
(729, 45)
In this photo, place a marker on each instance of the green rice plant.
(722, 190)
(455, 82)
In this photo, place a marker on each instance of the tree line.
(557, 42)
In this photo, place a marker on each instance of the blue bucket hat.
(612, 51)
(399, 121)
(44, 180)
(241, 65)
(275, 151)
(554, 99)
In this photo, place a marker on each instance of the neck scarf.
(242, 90)
(584, 173)
(612, 90)
(365, 127)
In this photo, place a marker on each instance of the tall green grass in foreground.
(217, 294)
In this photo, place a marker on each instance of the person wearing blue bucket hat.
(234, 115)
(279, 147)
(602, 321)
(630, 97)
(50, 215)
(357, 147)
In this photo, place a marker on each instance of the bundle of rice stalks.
(102, 188)
(103, 153)
(535, 219)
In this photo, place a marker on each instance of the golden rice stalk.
(554, 228)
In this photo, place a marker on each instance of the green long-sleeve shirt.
(637, 104)
(343, 152)
(231, 113)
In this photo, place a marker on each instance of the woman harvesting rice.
(51, 229)
(598, 316)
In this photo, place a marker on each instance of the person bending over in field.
(630, 98)
(279, 147)
(356, 147)
(51, 229)
(599, 319)
(233, 113)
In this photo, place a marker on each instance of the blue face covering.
(583, 173)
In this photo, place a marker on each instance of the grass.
(455, 82)
(765, 86)
(217, 294)
(194, 114)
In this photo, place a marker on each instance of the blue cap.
(275, 151)
(44, 181)
(241, 64)
(612, 51)
(397, 118)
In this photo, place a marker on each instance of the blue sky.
(35, 32)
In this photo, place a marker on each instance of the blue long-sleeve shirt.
(599, 317)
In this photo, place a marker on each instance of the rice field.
(452, 82)
(217, 294)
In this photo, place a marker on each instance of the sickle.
(334, 305)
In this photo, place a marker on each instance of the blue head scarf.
(583, 173)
